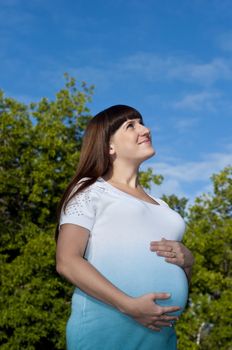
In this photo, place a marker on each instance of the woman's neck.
(130, 181)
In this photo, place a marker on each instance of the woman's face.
(132, 141)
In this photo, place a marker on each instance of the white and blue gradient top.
(121, 228)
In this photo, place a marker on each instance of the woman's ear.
(111, 151)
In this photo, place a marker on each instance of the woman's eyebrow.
(130, 120)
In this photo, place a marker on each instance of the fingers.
(161, 312)
(173, 261)
(169, 318)
(161, 295)
(163, 324)
(172, 257)
(157, 324)
(167, 309)
(165, 244)
(154, 328)
(160, 247)
(164, 309)
(151, 314)
(166, 254)
(174, 253)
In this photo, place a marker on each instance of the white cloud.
(154, 67)
(205, 73)
(184, 124)
(190, 174)
(195, 171)
(199, 101)
(139, 67)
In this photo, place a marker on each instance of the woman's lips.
(145, 141)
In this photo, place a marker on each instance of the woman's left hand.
(174, 252)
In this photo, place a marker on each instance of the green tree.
(207, 323)
(39, 152)
(34, 300)
(177, 204)
(147, 177)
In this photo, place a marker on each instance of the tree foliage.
(40, 149)
(207, 323)
(39, 152)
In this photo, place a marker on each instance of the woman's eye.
(130, 124)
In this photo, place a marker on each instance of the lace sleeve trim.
(78, 203)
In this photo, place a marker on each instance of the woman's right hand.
(151, 315)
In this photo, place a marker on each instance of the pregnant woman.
(120, 246)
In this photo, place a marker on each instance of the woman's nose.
(145, 130)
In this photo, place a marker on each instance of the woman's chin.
(150, 154)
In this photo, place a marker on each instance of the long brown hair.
(94, 159)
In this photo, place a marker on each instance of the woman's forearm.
(84, 275)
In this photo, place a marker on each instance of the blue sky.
(169, 59)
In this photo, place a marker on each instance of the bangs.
(121, 114)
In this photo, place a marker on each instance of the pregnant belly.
(162, 276)
(148, 273)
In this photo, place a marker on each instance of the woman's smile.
(148, 141)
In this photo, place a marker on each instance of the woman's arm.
(176, 253)
(70, 263)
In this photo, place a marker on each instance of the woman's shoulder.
(96, 189)
(86, 198)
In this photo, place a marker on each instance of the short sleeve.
(80, 210)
